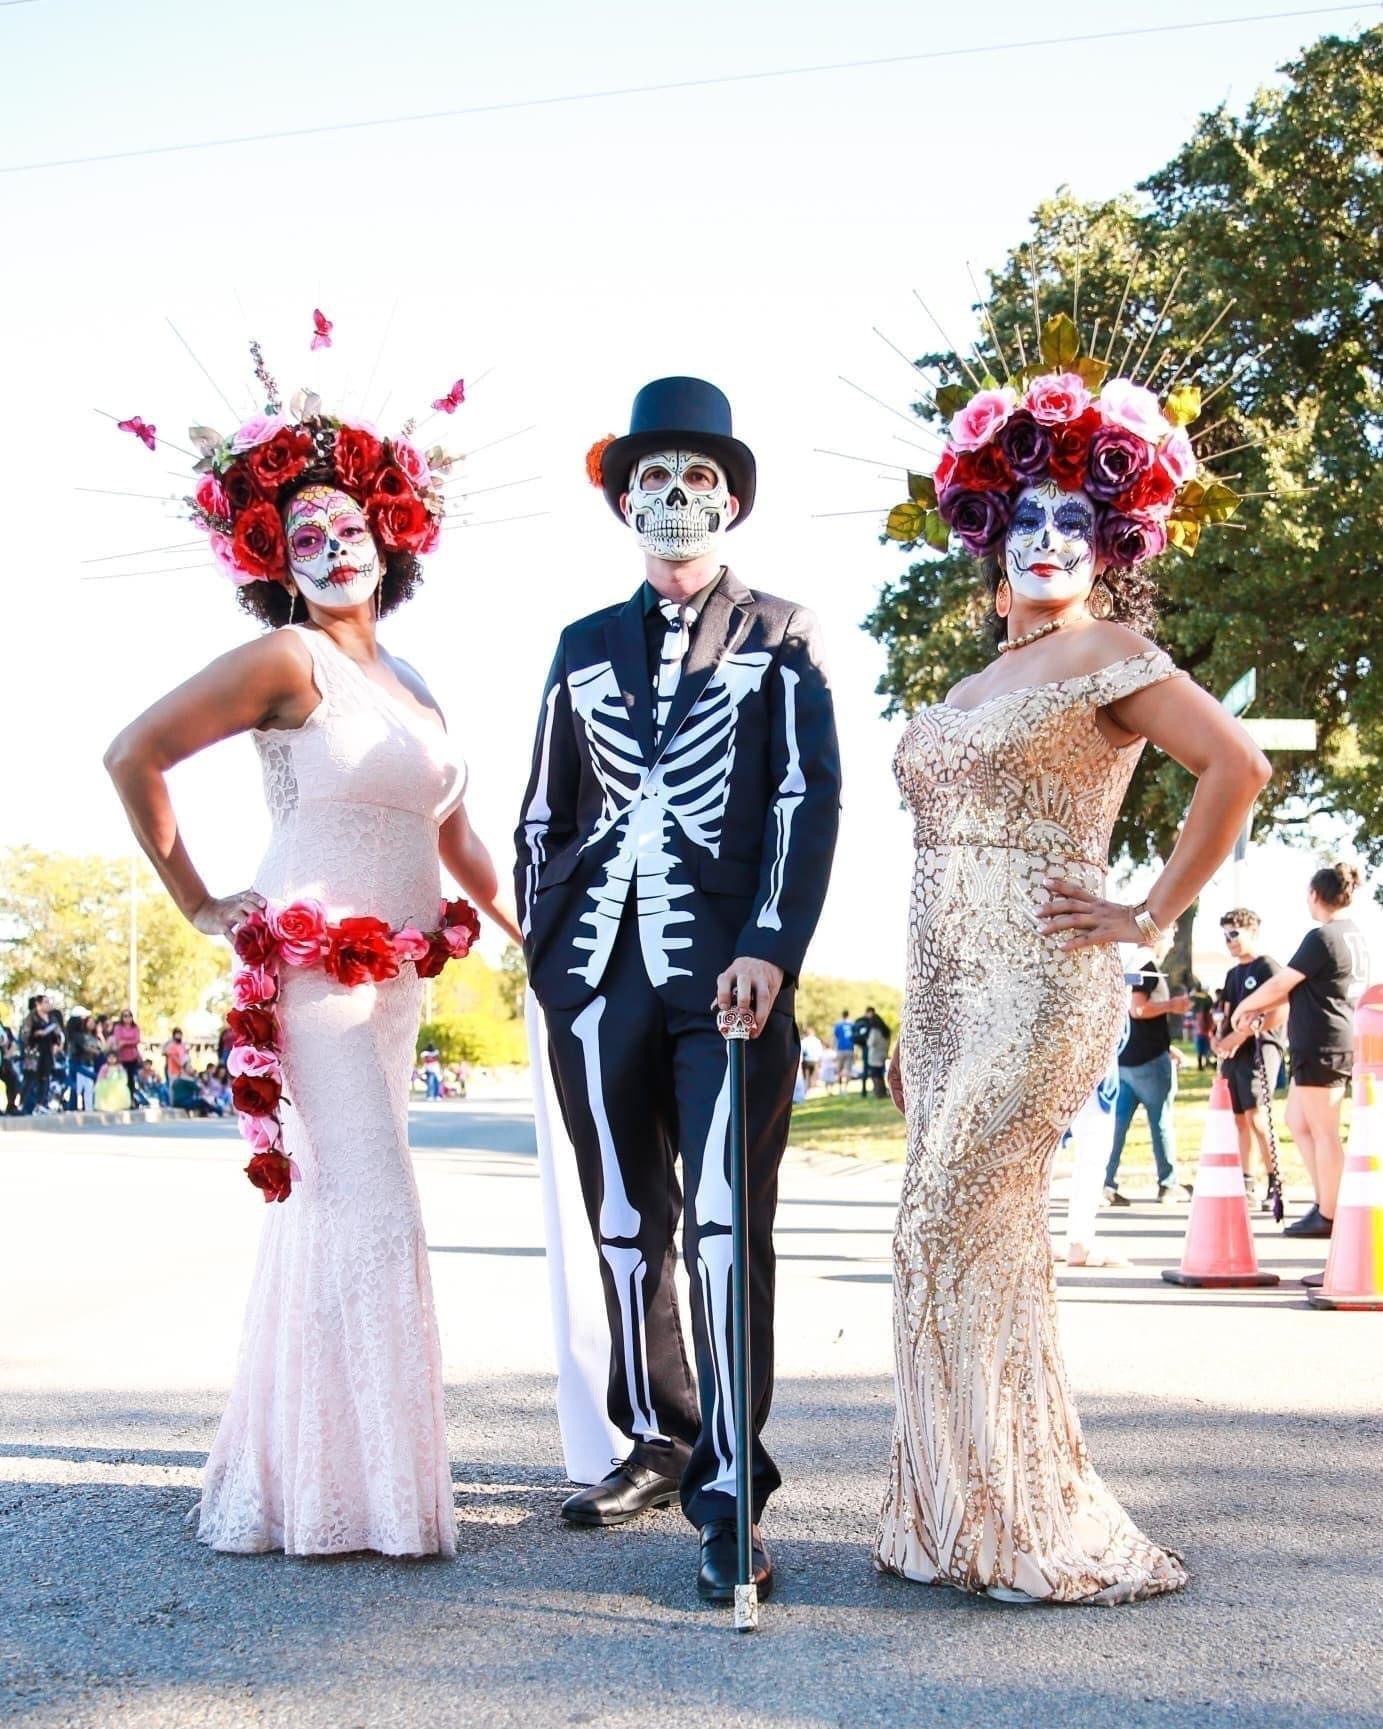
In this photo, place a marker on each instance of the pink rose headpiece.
(245, 477)
(1062, 418)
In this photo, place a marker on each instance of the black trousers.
(641, 1083)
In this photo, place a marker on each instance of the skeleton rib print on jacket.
(722, 831)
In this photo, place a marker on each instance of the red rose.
(437, 956)
(211, 498)
(1071, 449)
(945, 468)
(356, 457)
(461, 927)
(281, 460)
(393, 482)
(257, 541)
(400, 523)
(254, 942)
(256, 1095)
(982, 470)
(1153, 490)
(238, 486)
(254, 1027)
(360, 949)
(272, 1173)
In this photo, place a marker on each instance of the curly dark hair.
(1134, 596)
(272, 602)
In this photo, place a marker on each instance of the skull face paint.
(678, 504)
(331, 552)
(1049, 551)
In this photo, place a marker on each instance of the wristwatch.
(1148, 927)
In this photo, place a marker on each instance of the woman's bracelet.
(1148, 927)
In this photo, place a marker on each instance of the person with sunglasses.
(1237, 1048)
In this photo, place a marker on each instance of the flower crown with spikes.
(1064, 420)
(246, 477)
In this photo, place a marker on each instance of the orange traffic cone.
(1219, 1240)
(1354, 1271)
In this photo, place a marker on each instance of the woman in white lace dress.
(334, 1438)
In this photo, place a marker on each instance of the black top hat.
(679, 414)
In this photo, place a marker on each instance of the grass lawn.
(871, 1128)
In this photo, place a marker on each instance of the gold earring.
(1101, 601)
(1003, 598)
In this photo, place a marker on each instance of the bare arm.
(1186, 722)
(1269, 995)
(264, 683)
(468, 859)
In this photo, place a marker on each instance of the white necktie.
(679, 621)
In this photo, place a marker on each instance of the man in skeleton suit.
(673, 855)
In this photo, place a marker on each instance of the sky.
(558, 256)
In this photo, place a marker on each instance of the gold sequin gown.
(1004, 1037)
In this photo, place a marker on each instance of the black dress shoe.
(1310, 1224)
(715, 1579)
(629, 1490)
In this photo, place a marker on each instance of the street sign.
(1241, 693)
(1282, 734)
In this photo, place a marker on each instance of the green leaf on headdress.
(989, 382)
(951, 398)
(206, 438)
(1184, 533)
(906, 522)
(1219, 504)
(1183, 405)
(922, 489)
(1060, 342)
(935, 532)
(1091, 372)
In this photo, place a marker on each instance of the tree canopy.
(1252, 262)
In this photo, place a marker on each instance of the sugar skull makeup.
(678, 504)
(331, 551)
(1049, 550)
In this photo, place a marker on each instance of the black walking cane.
(1275, 1198)
(737, 1026)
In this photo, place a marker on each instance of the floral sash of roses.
(354, 951)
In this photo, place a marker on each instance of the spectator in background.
(10, 1077)
(829, 1072)
(112, 1091)
(1320, 985)
(1203, 1007)
(1238, 1049)
(843, 1038)
(874, 1035)
(432, 1072)
(225, 1044)
(72, 1034)
(89, 1052)
(175, 1058)
(811, 1058)
(1147, 1077)
(152, 1089)
(40, 1042)
(127, 1046)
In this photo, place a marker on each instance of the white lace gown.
(334, 1438)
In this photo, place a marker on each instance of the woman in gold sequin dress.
(1015, 992)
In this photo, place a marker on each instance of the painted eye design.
(1074, 519)
(1027, 519)
(351, 528)
(307, 543)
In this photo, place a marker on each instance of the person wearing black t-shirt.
(1238, 1050)
(1147, 1077)
(1320, 985)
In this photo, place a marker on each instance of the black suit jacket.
(722, 835)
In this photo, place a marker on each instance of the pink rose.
(1057, 397)
(262, 1133)
(259, 429)
(458, 939)
(250, 1060)
(410, 944)
(301, 928)
(1177, 457)
(981, 418)
(223, 551)
(1131, 406)
(413, 463)
(252, 986)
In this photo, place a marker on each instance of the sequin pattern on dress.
(1004, 1036)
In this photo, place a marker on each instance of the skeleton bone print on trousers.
(646, 863)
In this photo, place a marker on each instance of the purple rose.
(1117, 458)
(1125, 540)
(1026, 444)
(980, 519)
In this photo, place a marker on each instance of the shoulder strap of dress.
(1134, 672)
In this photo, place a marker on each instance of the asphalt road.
(1242, 1428)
